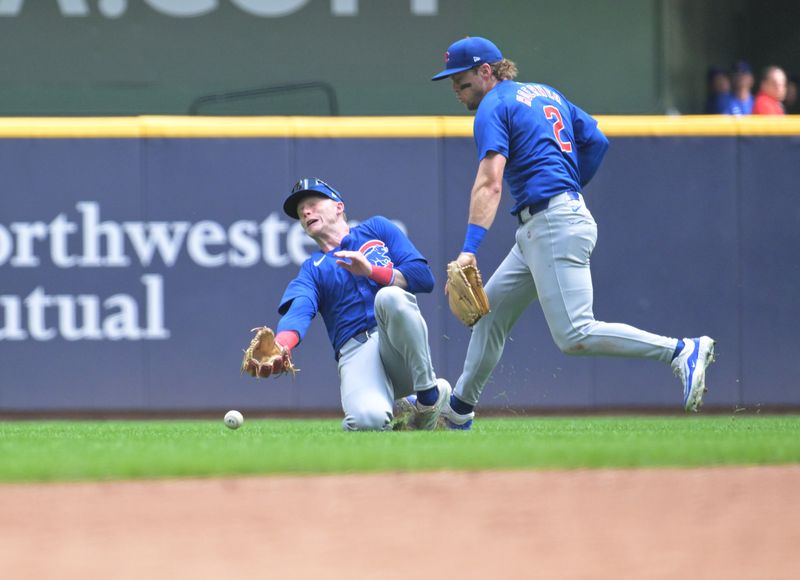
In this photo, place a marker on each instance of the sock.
(460, 406)
(678, 348)
(428, 397)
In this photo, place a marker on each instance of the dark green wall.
(128, 57)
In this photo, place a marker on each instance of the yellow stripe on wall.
(69, 127)
(699, 126)
(367, 127)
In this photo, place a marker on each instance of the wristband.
(473, 239)
(287, 339)
(383, 275)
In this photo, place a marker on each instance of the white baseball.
(233, 419)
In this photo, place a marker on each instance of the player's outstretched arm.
(484, 200)
(268, 354)
(487, 190)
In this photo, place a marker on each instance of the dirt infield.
(703, 523)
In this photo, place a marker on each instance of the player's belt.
(360, 337)
(529, 211)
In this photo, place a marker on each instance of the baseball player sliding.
(363, 282)
(547, 149)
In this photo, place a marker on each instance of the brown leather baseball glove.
(265, 357)
(465, 294)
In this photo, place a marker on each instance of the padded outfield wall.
(136, 254)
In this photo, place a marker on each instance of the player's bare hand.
(354, 262)
(467, 259)
(464, 259)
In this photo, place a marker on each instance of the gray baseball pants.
(550, 261)
(394, 362)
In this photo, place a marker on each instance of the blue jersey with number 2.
(551, 146)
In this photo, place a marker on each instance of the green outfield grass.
(80, 450)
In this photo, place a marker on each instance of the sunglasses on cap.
(314, 184)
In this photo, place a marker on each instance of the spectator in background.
(741, 99)
(791, 104)
(718, 89)
(771, 92)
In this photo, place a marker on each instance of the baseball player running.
(547, 149)
(363, 282)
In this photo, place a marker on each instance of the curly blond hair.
(505, 70)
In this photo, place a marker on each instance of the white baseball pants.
(394, 362)
(550, 261)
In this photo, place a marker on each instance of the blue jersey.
(346, 301)
(551, 146)
(740, 106)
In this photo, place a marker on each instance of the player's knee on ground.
(367, 420)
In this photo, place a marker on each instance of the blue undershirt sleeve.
(405, 256)
(301, 311)
(418, 275)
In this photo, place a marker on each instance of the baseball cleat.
(453, 420)
(405, 414)
(428, 416)
(690, 367)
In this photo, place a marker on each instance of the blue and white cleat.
(455, 421)
(690, 367)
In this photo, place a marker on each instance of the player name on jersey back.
(526, 94)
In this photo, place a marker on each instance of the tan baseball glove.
(465, 293)
(265, 357)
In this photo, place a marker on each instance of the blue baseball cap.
(468, 53)
(305, 187)
(741, 67)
